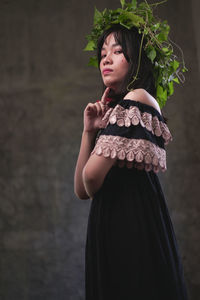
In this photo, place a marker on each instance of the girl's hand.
(94, 113)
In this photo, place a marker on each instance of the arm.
(95, 171)
(93, 114)
(87, 144)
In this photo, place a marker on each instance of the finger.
(90, 108)
(105, 95)
(99, 108)
(104, 107)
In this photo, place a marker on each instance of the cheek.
(122, 61)
(124, 64)
(100, 65)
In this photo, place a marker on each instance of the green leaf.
(135, 20)
(161, 95)
(159, 91)
(93, 61)
(134, 4)
(97, 16)
(155, 26)
(161, 37)
(171, 88)
(165, 49)
(104, 11)
(176, 80)
(119, 10)
(164, 28)
(90, 46)
(143, 6)
(175, 65)
(152, 55)
(122, 3)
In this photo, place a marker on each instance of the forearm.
(95, 172)
(87, 144)
(91, 185)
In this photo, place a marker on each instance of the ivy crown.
(168, 69)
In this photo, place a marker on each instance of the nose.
(107, 59)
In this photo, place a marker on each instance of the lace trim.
(126, 117)
(138, 153)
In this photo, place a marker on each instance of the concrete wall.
(44, 86)
(196, 24)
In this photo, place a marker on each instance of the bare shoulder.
(143, 96)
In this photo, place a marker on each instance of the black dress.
(131, 248)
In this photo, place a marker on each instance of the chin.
(109, 84)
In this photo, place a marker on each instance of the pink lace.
(138, 153)
(126, 117)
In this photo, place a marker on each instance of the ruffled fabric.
(133, 116)
(138, 153)
(125, 136)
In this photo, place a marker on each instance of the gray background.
(44, 86)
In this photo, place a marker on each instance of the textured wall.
(44, 86)
(196, 24)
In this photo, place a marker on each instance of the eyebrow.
(113, 45)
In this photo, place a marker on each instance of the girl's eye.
(118, 51)
(103, 55)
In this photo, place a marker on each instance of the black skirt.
(131, 249)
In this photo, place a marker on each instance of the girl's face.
(113, 64)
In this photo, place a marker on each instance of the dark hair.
(130, 41)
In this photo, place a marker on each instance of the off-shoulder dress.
(131, 248)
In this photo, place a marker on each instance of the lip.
(107, 71)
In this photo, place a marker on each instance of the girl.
(131, 248)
